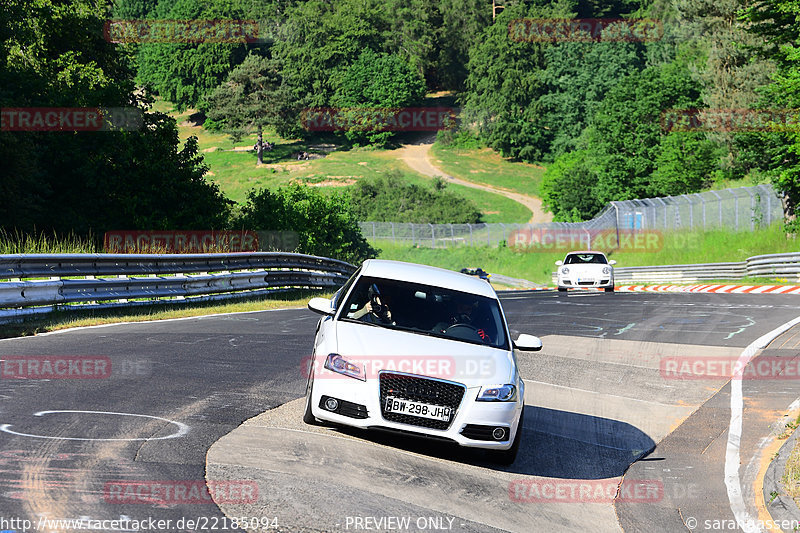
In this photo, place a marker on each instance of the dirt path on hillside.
(417, 156)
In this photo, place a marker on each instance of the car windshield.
(426, 310)
(580, 259)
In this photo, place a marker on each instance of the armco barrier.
(40, 283)
(759, 266)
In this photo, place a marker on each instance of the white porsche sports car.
(419, 350)
(585, 269)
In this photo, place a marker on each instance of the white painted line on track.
(96, 326)
(183, 429)
(732, 456)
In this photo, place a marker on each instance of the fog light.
(499, 433)
(331, 404)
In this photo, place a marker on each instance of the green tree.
(250, 99)
(53, 55)
(626, 132)
(413, 32)
(184, 73)
(463, 24)
(567, 187)
(505, 82)
(376, 81)
(320, 40)
(685, 164)
(133, 9)
(730, 73)
(326, 225)
(777, 23)
(577, 77)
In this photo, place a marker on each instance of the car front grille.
(420, 389)
(586, 283)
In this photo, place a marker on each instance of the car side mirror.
(322, 306)
(559, 263)
(529, 343)
(612, 262)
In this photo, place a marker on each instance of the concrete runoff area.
(593, 407)
(690, 463)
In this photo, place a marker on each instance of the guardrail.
(41, 283)
(761, 266)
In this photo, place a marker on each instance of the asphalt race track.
(171, 411)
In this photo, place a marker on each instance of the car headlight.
(497, 393)
(606, 270)
(565, 271)
(339, 364)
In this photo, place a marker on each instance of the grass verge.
(19, 243)
(791, 475)
(71, 319)
(487, 167)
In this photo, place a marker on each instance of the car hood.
(380, 348)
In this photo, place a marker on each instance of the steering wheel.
(467, 332)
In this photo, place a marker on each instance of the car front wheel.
(308, 416)
(609, 289)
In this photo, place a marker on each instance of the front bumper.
(468, 428)
(570, 282)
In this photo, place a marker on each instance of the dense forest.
(591, 109)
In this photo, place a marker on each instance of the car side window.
(337, 298)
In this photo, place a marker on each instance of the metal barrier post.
(719, 204)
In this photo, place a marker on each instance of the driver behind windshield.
(376, 310)
(464, 313)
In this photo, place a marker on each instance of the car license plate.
(407, 407)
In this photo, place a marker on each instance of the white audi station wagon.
(419, 350)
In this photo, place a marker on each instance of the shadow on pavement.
(556, 444)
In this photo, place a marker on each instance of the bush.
(376, 82)
(326, 225)
(393, 199)
(459, 139)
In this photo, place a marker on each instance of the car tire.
(507, 457)
(562, 289)
(308, 416)
(609, 289)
